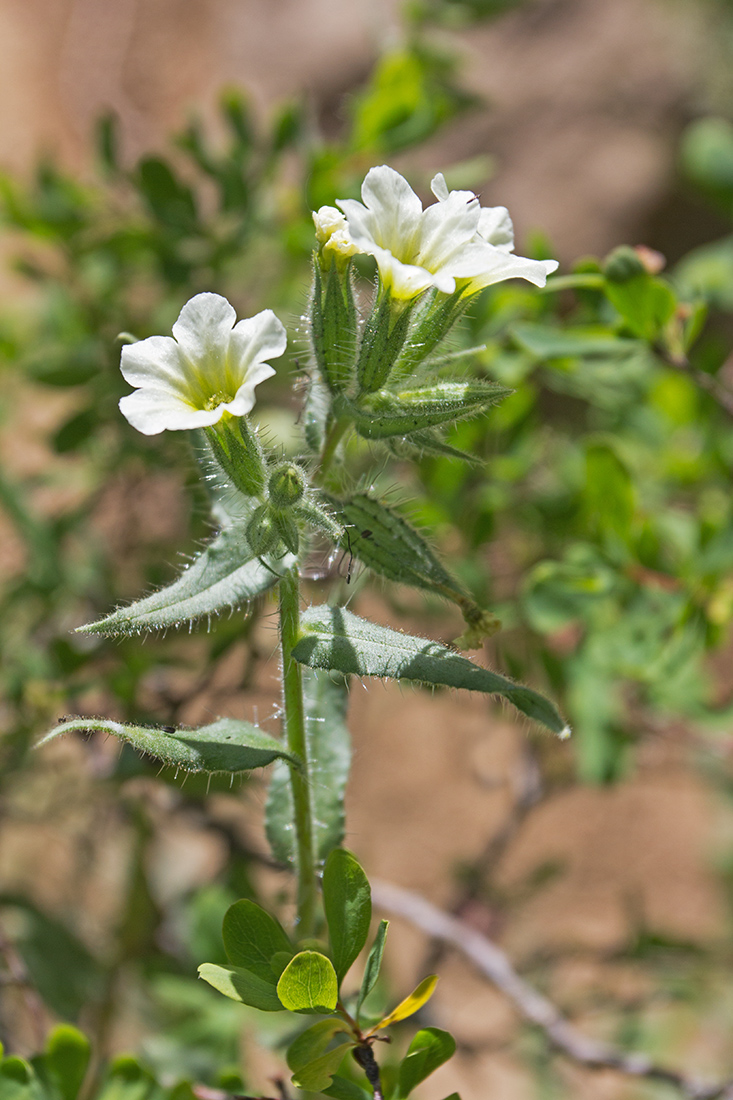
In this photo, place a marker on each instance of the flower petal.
(255, 339)
(447, 227)
(390, 216)
(508, 266)
(439, 187)
(495, 226)
(203, 329)
(244, 399)
(157, 360)
(152, 411)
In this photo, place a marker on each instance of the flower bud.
(286, 486)
(623, 264)
(262, 531)
(332, 234)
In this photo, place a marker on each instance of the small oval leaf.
(240, 985)
(308, 984)
(430, 1048)
(252, 937)
(347, 900)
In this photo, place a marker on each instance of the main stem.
(294, 721)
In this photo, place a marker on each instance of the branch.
(493, 964)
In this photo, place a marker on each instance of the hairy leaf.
(347, 900)
(334, 638)
(329, 759)
(373, 966)
(385, 542)
(430, 1048)
(308, 983)
(241, 985)
(252, 937)
(228, 745)
(384, 414)
(223, 576)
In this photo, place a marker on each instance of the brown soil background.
(586, 102)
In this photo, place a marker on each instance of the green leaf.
(373, 966)
(386, 543)
(329, 759)
(334, 638)
(412, 1004)
(19, 1082)
(66, 1059)
(384, 414)
(241, 985)
(308, 984)
(343, 1089)
(224, 576)
(317, 1075)
(347, 900)
(251, 938)
(546, 342)
(312, 1042)
(645, 303)
(228, 745)
(430, 1048)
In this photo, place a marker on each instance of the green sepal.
(329, 759)
(429, 1050)
(373, 965)
(436, 318)
(334, 638)
(316, 413)
(238, 451)
(255, 940)
(347, 901)
(224, 576)
(229, 745)
(241, 985)
(429, 442)
(381, 343)
(333, 326)
(308, 984)
(384, 414)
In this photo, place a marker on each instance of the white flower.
(453, 243)
(210, 368)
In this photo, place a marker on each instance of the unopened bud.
(332, 234)
(623, 264)
(262, 531)
(286, 485)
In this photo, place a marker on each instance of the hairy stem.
(294, 723)
(334, 437)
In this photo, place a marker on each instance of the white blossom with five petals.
(209, 367)
(453, 244)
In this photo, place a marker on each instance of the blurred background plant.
(598, 524)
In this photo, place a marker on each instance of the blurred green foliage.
(599, 524)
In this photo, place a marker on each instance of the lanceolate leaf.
(329, 759)
(384, 414)
(335, 638)
(228, 745)
(384, 541)
(223, 576)
(412, 1004)
(347, 900)
(373, 966)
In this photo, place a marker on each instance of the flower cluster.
(453, 244)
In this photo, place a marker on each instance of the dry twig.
(493, 964)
